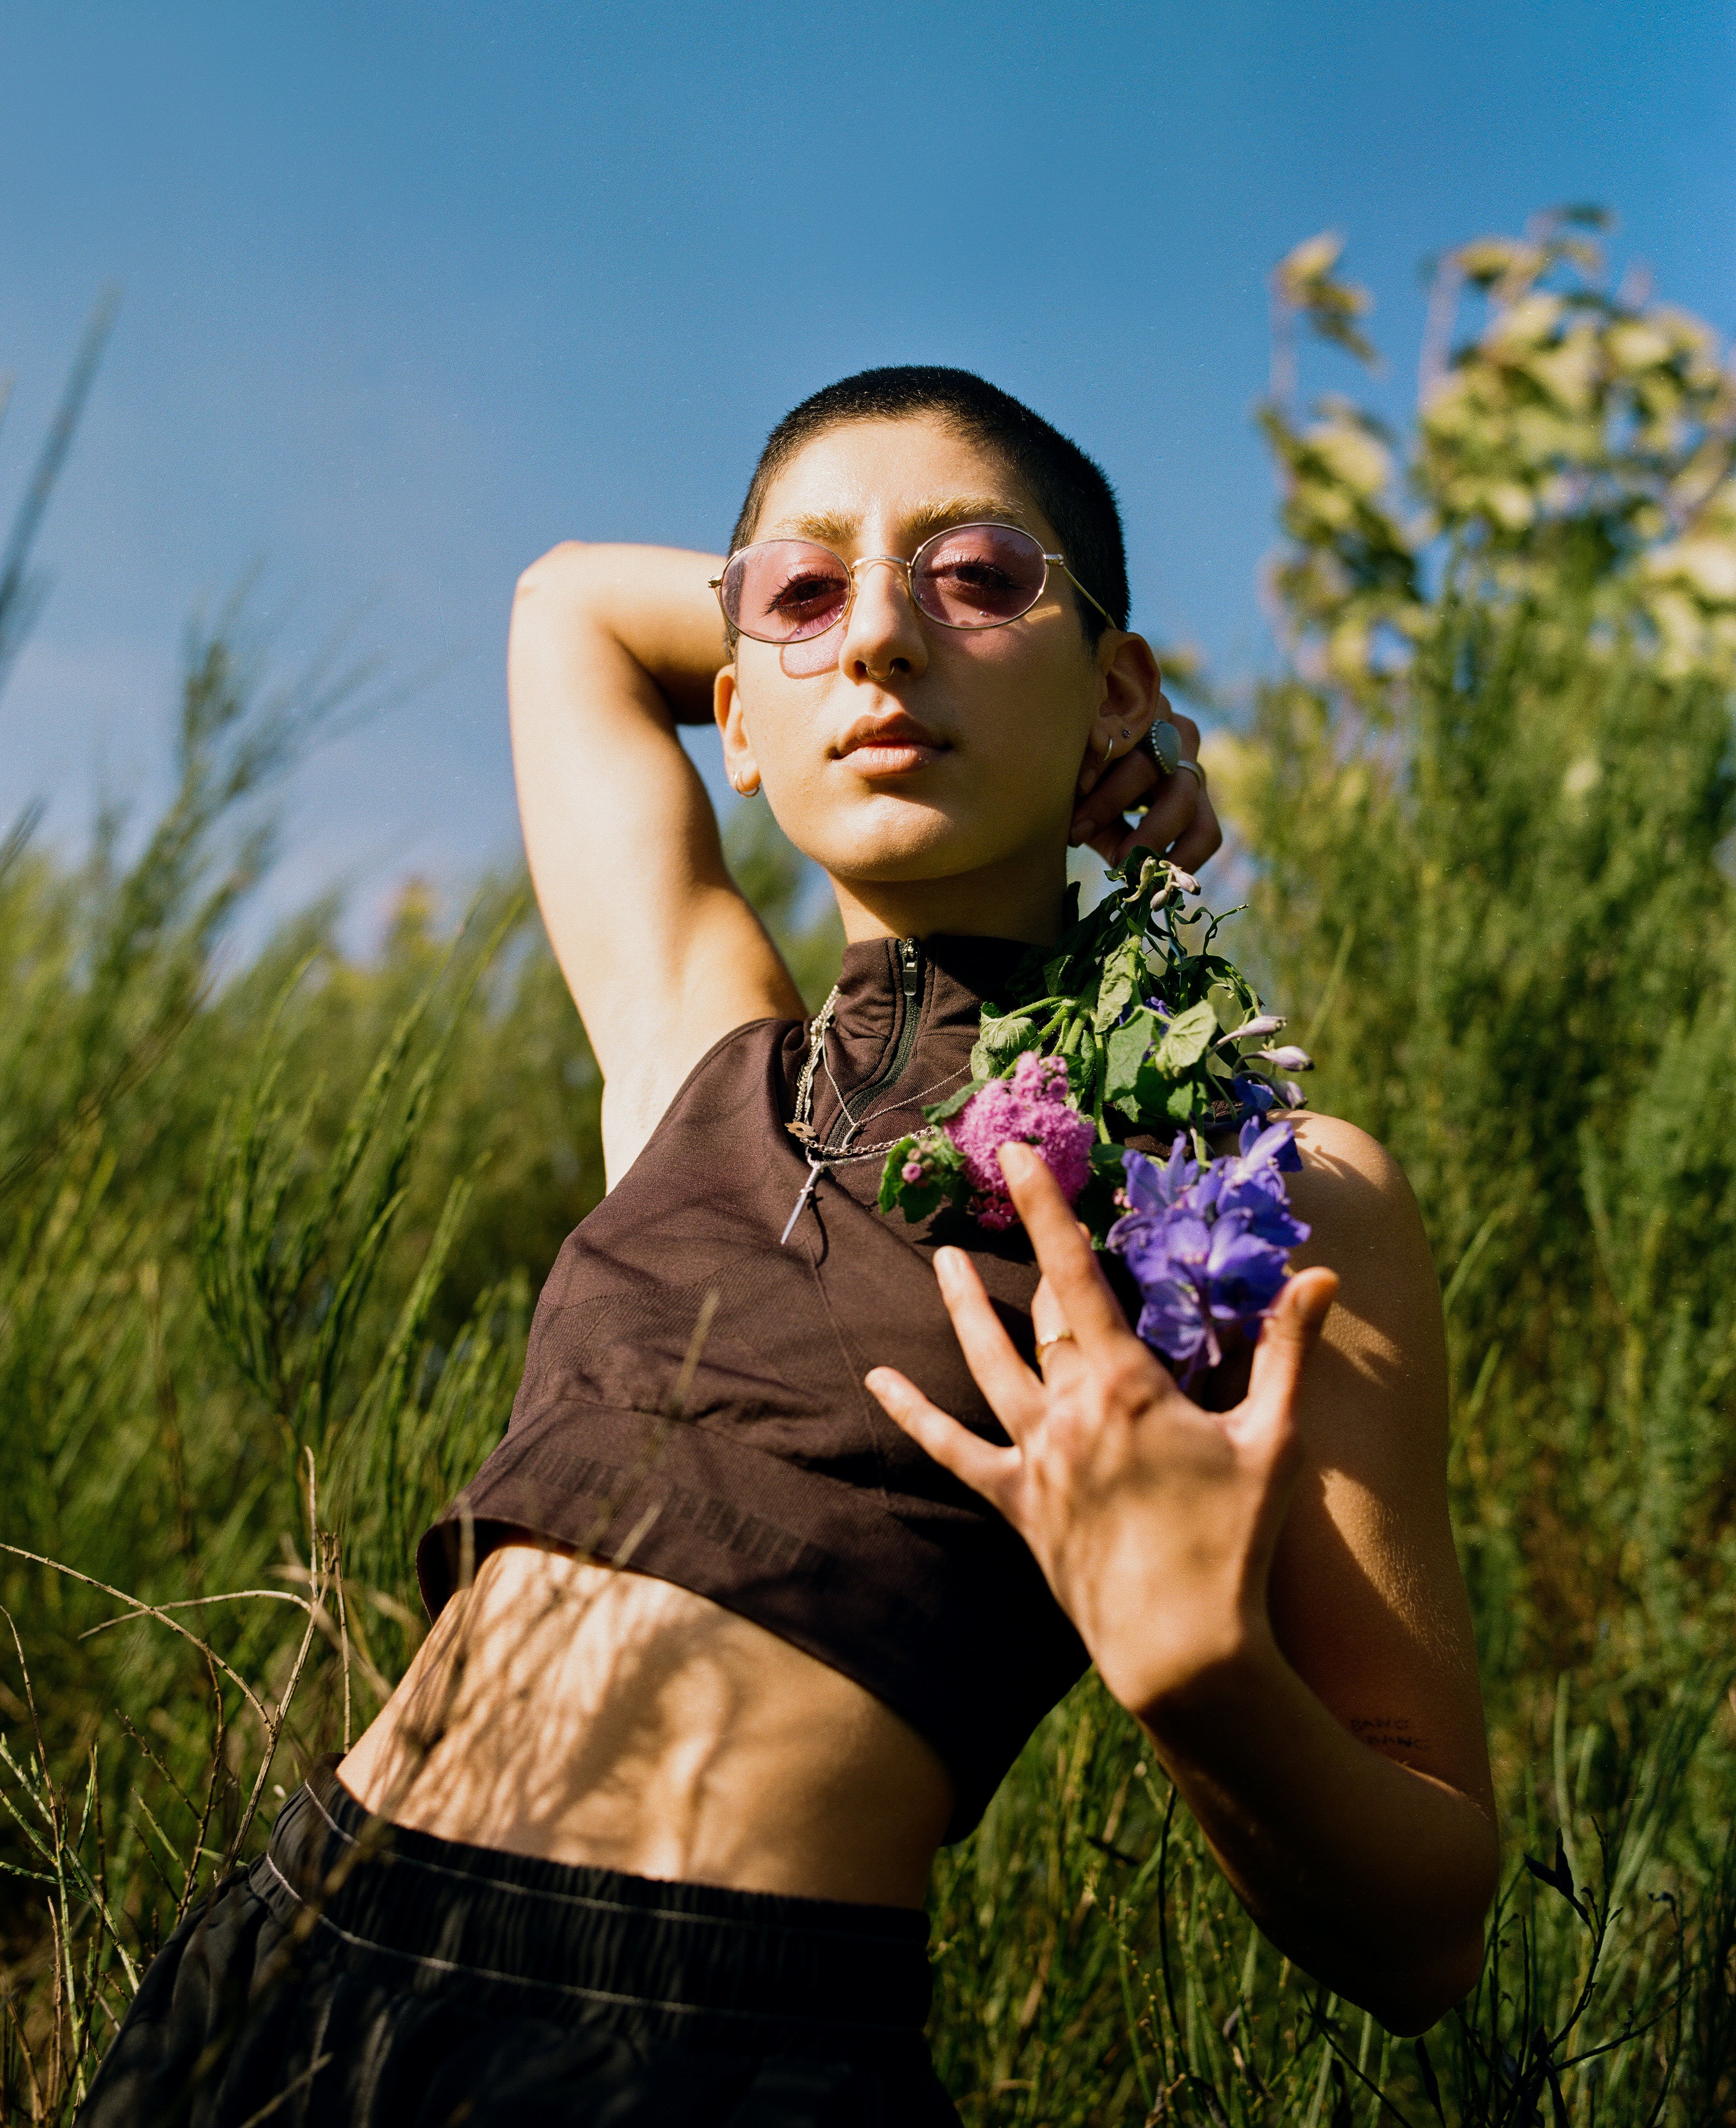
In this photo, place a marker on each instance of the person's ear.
(739, 763)
(1129, 691)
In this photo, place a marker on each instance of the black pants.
(441, 1986)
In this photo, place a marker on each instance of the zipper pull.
(912, 966)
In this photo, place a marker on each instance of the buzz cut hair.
(1070, 487)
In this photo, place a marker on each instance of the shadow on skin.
(569, 1710)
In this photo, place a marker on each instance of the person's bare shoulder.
(1331, 1148)
(1367, 1594)
(1387, 1329)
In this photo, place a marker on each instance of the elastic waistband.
(695, 1961)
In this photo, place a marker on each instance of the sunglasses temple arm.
(1085, 594)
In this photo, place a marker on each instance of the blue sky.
(410, 292)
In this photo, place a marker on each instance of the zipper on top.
(909, 963)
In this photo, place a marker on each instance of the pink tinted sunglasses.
(969, 575)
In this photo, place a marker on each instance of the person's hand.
(1154, 1521)
(1179, 823)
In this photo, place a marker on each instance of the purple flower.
(1273, 1145)
(1154, 1189)
(1289, 1058)
(1030, 1106)
(911, 1170)
(1209, 1247)
(1254, 1094)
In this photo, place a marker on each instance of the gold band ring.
(1060, 1337)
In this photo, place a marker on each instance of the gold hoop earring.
(1109, 747)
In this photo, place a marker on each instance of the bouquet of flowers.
(1209, 1242)
(1126, 1020)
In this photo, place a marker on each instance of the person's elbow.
(1410, 2001)
(1440, 1963)
(562, 571)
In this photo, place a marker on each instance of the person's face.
(893, 748)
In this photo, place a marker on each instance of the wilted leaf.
(1123, 974)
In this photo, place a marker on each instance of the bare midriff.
(585, 1714)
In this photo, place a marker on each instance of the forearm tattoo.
(1386, 1733)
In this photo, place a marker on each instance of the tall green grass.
(269, 1247)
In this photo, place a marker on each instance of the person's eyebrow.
(839, 527)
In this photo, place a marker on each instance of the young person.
(651, 1844)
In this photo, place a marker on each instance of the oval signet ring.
(1165, 743)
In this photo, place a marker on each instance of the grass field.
(269, 1247)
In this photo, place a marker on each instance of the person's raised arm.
(611, 648)
(1272, 1593)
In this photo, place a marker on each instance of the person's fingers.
(1179, 820)
(1129, 782)
(989, 1353)
(1289, 1334)
(1048, 1318)
(1203, 837)
(1056, 1347)
(1064, 1253)
(987, 1469)
(1174, 805)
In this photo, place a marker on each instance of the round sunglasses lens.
(978, 576)
(784, 590)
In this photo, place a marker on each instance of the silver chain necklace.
(800, 1125)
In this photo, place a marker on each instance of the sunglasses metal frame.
(908, 566)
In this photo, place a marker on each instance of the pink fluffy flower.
(1031, 1106)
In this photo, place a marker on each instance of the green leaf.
(1095, 1207)
(945, 1178)
(1184, 1101)
(939, 1111)
(917, 1199)
(1127, 1048)
(892, 1183)
(1188, 1039)
(1123, 975)
(1000, 1041)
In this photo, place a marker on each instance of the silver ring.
(1163, 742)
(1195, 771)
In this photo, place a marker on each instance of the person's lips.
(891, 744)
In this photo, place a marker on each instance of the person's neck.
(1016, 900)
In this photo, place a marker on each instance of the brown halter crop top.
(782, 1491)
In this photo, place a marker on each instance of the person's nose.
(882, 637)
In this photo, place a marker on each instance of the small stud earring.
(1125, 732)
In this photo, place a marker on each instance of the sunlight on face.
(893, 747)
